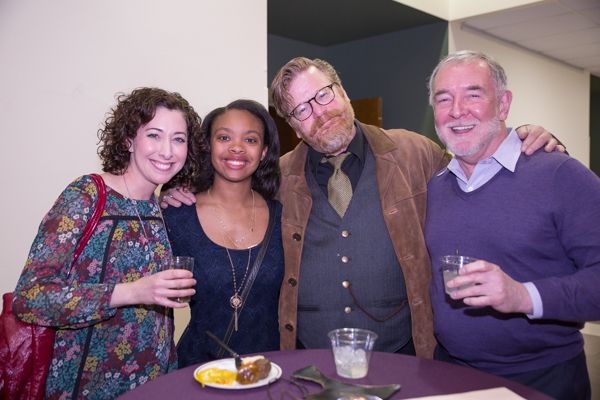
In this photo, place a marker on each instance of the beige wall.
(545, 92)
(63, 61)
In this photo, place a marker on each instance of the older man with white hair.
(536, 223)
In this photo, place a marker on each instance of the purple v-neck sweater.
(540, 224)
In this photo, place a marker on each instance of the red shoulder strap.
(95, 219)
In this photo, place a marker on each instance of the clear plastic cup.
(352, 349)
(450, 267)
(182, 262)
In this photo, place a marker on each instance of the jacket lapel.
(385, 164)
(296, 170)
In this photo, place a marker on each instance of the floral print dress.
(99, 352)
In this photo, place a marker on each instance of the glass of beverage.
(352, 349)
(450, 267)
(182, 262)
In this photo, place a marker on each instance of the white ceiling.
(565, 30)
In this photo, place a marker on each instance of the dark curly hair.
(135, 110)
(265, 179)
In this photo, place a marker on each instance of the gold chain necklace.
(251, 223)
(235, 301)
(236, 243)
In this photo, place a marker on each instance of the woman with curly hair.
(224, 231)
(111, 308)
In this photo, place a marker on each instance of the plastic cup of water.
(450, 267)
(352, 349)
(181, 262)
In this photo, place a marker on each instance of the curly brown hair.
(135, 110)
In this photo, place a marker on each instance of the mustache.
(328, 116)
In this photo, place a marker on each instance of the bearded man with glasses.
(353, 228)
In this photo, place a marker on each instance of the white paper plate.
(229, 364)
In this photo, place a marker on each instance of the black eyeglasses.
(323, 97)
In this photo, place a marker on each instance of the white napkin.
(500, 393)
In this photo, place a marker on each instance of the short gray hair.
(498, 74)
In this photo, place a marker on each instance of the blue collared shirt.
(505, 156)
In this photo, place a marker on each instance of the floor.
(591, 334)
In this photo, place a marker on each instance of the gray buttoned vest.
(356, 249)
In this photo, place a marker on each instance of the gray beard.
(338, 137)
(494, 129)
(331, 146)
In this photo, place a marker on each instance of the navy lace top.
(258, 328)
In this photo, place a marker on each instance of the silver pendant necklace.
(144, 234)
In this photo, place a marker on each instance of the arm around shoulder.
(431, 158)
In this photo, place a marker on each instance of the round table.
(417, 376)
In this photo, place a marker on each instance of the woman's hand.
(175, 196)
(155, 289)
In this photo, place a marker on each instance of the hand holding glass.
(450, 267)
(181, 262)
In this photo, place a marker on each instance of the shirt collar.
(509, 151)
(507, 155)
(356, 147)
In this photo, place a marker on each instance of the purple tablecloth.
(418, 377)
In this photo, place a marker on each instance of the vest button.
(345, 233)
(289, 328)
(296, 237)
(292, 282)
(347, 310)
(345, 284)
(344, 259)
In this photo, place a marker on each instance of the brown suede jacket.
(405, 162)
